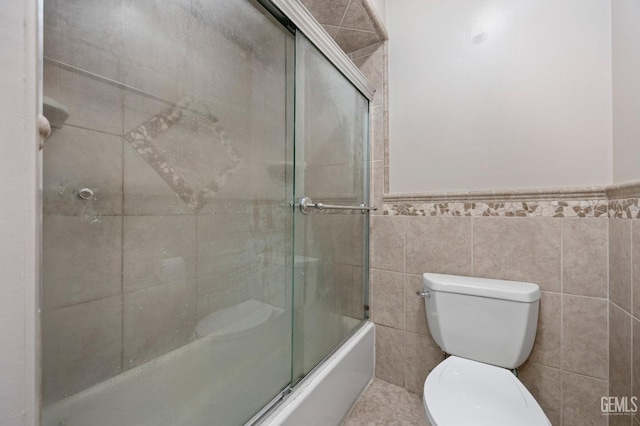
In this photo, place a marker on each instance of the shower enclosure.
(185, 280)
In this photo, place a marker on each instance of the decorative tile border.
(565, 208)
(577, 202)
(624, 209)
(141, 139)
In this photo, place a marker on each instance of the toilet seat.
(464, 392)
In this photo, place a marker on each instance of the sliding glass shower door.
(167, 229)
(331, 244)
(182, 282)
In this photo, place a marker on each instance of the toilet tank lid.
(517, 291)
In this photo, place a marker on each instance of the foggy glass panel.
(167, 288)
(331, 168)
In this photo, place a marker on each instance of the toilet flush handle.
(424, 294)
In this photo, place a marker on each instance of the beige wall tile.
(356, 18)
(546, 349)
(82, 259)
(635, 362)
(64, 44)
(618, 420)
(228, 260)
(620, 350)
(373, 67)
(377, 187)
(584, 336)
(438, 245)
(328, 12)
(344, 290)
(158, 250)
(378, 116)
(325, 291)
(421, 356)
(81, 346)
(584, 256)
(358, 293)
(331, 30)
(526, 249)
(387, 243)
(157, 320)
(348, 230)
(544, 384)
(636, 267)
(78, 93)
(581, 400)
(317, 233)
(620, 262)
(139, 108)
(77, 158)
(100, 29)
(387, 298)
(352, 40)
(415, 310)
(390, 355)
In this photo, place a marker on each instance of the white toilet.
(487, 326)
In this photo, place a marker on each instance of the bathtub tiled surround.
(353, 24)
(128, 273)
(624, 294)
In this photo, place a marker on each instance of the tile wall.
(188, 174)
(353, 24)
(624, 300)
(567, 257)
(583, 261)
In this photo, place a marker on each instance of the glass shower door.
(166, 226)
(330, 245)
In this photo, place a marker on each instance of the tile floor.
(385, 404)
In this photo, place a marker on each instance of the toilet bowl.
(488, 327)
(464, 392)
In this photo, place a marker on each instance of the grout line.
(404, 271)
(633, 367)
(562, 221)
(104, 132)
(562, 297)
(122, 206)
(344, 14)
(631, 313)
(196, 271)
(473, 269)
(608, 311)
(576, 295)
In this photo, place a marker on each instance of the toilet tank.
(486, 320)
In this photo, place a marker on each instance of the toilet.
(488, 327)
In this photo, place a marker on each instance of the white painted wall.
(18, 219)
(496, 94)
(626, 89)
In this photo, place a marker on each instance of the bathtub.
(176, 389)
(326, 395)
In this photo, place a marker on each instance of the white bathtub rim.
(279, 414)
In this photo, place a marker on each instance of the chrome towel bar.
(306, 206)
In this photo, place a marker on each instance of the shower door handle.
(306, 206)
